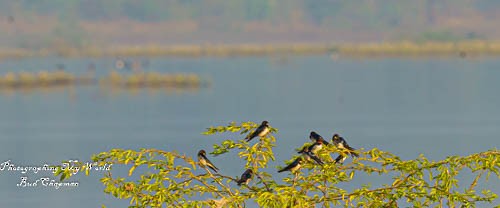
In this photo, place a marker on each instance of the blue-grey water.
(431, 106)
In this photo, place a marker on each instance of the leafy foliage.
(170, 178)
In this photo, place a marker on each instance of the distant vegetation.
(423, 47)
(58, 79)
(378, 12)
(153, 80)
(77, 23)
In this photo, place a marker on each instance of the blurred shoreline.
(404, 48)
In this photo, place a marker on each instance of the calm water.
(437, 107)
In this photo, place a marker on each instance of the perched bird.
(261, 131)
(314, 148)
(340, 143)
(245, 177)
(205, 162)
(315, 137)
(293, 167)
(308, 155)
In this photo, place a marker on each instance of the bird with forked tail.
(314, 148)
(205, 162)
(261, 131)
(340, 143)
(293, 167)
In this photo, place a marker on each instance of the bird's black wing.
(290, 166)
(352, 151)
(210, 164)
(315, 158)
(340, 158)
(255, 133)
(251, 136)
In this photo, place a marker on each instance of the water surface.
(435, 107)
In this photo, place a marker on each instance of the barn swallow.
(294, 166)
(314, 137)
(314, 148)
(308, 155)
(261, 131)
(342, 144)
(245, 177)
(205, 162)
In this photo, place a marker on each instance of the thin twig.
(264, 182)
(474, 183)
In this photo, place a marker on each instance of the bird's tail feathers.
(350, 148)
(340, 158)
(213, 168)
(352, 151)
(354, 154)
(249, 137)
(317, 160)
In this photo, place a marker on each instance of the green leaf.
(131, 170)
